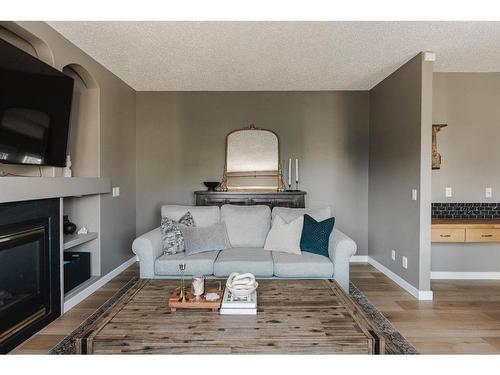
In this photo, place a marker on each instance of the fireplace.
(30, 295)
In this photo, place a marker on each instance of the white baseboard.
(73, 301)
(465, 275)
(422, 295)
(359, 259)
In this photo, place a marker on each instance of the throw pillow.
(171, 236)
(316, 235)
(201, 239)
(283, 236)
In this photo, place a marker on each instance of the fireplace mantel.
(16, 189)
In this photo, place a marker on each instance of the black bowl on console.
(211, 185)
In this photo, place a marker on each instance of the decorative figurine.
(83, 230)
(67, 169)
(436, 156)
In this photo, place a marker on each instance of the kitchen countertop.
(471, 223)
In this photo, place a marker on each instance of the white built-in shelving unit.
(72, 240)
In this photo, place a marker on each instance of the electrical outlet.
(488, 192)
(404, 262)
(393, 254)
(414, 194)
(116, 192)
(448, 192)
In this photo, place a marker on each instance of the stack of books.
(233, 305)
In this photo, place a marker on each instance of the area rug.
(395, 343)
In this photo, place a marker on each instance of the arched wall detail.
(83, 143)
(26, 41)
(84, 75)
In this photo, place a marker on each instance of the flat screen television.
(35, 107)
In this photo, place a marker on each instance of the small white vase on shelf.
(67, 169)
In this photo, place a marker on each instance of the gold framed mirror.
(252, 161)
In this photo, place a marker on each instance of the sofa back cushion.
(204, 216)
(247, 226)
(290, 214)
(201, 239)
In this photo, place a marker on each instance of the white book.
(229, 301)
(227, 311)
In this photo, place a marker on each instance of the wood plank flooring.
(463, 318)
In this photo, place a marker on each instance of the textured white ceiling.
(184, 56)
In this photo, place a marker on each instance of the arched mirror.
(252, 161)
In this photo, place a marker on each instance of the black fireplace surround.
(30, 293)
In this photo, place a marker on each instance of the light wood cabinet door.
(448, 234)
(482, 235)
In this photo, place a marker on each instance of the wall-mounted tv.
(35, 107)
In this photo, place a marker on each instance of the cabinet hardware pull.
(445, 235)
(486, 235)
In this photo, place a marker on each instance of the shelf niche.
(84, 211)
(84, 149)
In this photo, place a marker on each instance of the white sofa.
(247, 228)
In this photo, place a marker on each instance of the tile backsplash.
(466, 210)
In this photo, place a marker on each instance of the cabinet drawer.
(482, 235)
(448, 235)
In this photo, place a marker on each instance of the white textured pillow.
(285, 237)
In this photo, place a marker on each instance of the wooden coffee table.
(294, 316)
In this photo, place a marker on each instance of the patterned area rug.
(395, 342)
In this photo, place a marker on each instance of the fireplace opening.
(29, 275)
(23, 275)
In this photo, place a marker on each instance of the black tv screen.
(35, 107)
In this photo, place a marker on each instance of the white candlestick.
(289, 172)
(296, 170)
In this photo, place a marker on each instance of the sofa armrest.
(148, 247)
(340, 250)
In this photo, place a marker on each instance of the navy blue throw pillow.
(315, 235)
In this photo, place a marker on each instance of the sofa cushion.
(244, 259)
(305, 265)
(290, 214)
(285, 236)
(201, 264)
(199, 240)
(171, 235)
(204, 216)
(316, 235)
(247, 226)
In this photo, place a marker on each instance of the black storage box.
(76, 269)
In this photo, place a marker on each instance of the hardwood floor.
(463, 318)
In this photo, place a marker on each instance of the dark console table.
(292, 199)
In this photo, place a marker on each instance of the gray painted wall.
(469, 104)
(399, 113)
(181, 135)
(117, 145)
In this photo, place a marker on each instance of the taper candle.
(289, 172)
(296, 169)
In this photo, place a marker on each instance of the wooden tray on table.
(192, 302)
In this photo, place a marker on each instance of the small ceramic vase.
(68, 226)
